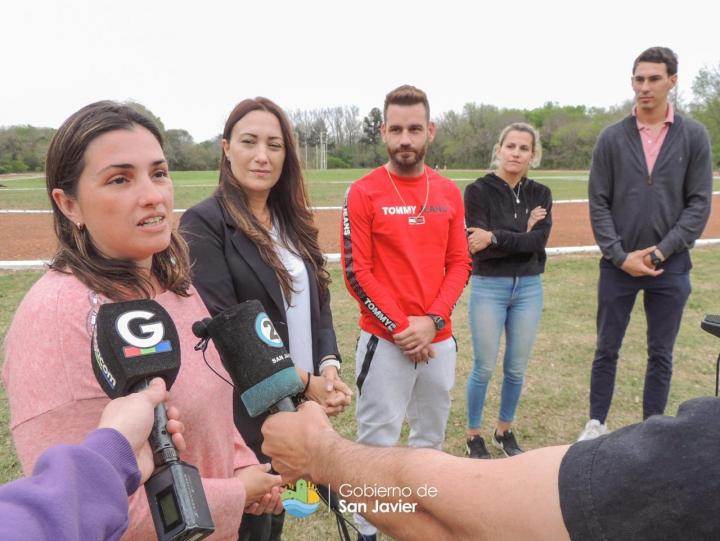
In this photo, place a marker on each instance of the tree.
(371, 127)
(178, 146)
(140, 108)
(351, 125)
(23, 148)
(706, 106)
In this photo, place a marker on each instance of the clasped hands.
(416, 340)
(638, 262)
(328, 390)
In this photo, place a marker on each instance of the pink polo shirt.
(652, 141)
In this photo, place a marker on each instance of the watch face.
(437, 320)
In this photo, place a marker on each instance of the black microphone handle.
(286, 404)
(163, 449)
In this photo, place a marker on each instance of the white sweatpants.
(391, 387)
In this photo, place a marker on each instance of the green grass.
(554, 404)
(13, 286)
(327, 188)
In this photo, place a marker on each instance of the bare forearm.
(446, 497)
(390, 489)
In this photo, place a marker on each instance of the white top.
(297, 314)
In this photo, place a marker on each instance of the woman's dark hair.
(288, 203)
(114, 278)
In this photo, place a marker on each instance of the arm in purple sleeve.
(75, 492)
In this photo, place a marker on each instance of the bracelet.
(307, 384)
(331, 361)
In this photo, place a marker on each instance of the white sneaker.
(593, 429)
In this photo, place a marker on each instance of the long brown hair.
(288, 202)
(114, 278)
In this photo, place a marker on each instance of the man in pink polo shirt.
(650, 190)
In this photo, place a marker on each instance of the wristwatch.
(654, 259)
(439, 321)
(493, 239)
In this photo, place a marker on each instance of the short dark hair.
(659, 55)
(406, 95)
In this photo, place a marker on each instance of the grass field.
(554, 404)
(327, 188)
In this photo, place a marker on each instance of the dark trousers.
(261, 527)
(664, 299)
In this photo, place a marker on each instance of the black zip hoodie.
(491, 204)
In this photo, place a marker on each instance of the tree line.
(464, 138)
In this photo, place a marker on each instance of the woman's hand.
(262, 489)
(329, 391)
(478, 239)
(536, 214)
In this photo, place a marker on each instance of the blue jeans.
(514, 304)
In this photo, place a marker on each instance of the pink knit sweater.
(54, 397)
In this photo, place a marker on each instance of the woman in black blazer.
(254, 238)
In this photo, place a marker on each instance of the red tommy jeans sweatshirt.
(397, 264)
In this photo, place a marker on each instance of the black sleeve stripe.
(365, 299)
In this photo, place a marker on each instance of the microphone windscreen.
(254, 355)
(134, 341)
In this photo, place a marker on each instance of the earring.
(79, 226)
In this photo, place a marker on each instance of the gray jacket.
(631, 209)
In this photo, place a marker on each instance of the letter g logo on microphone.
(152, 340)
(266, 331)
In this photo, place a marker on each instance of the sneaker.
(367, 537)
(476, 448)
(507, 443)
(593, 429)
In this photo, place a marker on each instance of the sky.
(190, 62)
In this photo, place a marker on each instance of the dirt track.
(30, 236)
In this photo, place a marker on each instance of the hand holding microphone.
(261, 369)
(133, 342)
(133, 417)
(289, 438)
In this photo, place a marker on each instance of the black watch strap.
(654, 259)
(439, 321)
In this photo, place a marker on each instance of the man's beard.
(409, 163)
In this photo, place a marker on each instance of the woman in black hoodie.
(509, 221)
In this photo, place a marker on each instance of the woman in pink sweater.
(112, 201)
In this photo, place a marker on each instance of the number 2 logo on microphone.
(266, 331)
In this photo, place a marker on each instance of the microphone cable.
(331, 502)
(201, 346)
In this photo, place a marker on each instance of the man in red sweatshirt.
(406, 262)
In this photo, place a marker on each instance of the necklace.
(516, 196)
(516, 193)
(418, 219)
